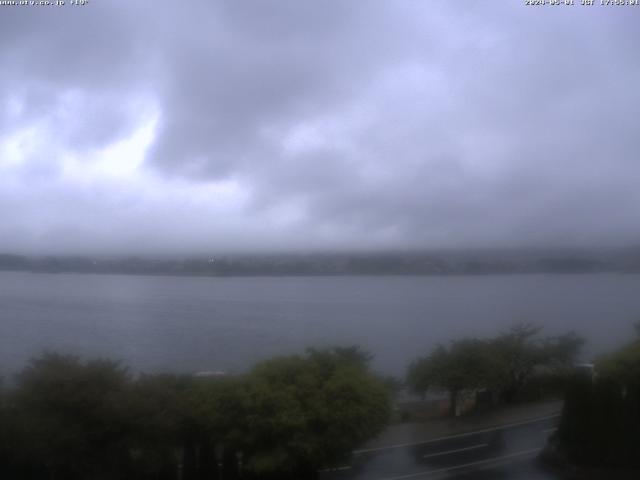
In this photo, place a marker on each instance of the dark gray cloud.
(226, 125)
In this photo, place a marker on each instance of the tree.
(623, 365)
(420, 376)
(518, 355)
(600, 423)
(215, 416)
(159, 411)
(465, 364)
(503, 364)
(74, 416)
(519, 352)
(8, 437)
(351, 355)
(304, 412)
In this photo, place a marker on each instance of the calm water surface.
(189, 324)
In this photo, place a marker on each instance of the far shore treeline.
(288, 417)
(444, 262)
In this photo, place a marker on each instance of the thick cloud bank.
(162, 126)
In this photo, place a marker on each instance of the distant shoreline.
(318, 275)
(458, 263)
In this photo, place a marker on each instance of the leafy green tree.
(466, 365)
(518, 355)
(74, 416)
(158, 406)
(187, 423)
(520, 352)
(215, 417)
(304, 412)
(503, 364)
(622, 365)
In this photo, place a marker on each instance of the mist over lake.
(186, 324)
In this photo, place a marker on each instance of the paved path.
(500, 444)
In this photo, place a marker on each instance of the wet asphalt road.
(505, 452)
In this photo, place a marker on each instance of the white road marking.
(458, 435)
(447, 452)
(498, 460)
(335, 469)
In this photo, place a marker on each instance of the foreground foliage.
(600, 423)
(288, 417)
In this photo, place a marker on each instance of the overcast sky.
(206, 126)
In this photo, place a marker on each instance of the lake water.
(187, 324)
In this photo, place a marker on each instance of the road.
(501, 452)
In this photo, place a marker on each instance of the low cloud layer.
(223, 126)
